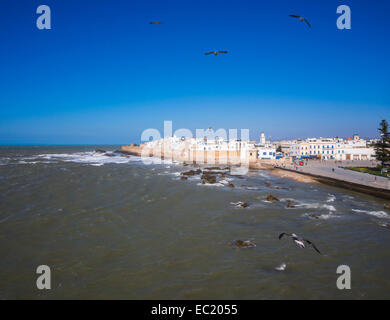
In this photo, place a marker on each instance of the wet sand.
(292, 175)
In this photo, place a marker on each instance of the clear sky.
(103, 74)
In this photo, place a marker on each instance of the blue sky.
(103, 74)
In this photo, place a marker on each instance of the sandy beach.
(292, 175)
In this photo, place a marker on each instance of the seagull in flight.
(156, 22)
(215, 52)
(300, 19)
(299, 241)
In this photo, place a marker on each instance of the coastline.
(274, 169)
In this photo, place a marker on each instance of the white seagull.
(299, 241)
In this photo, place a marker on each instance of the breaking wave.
(88, 158)
(378, 214)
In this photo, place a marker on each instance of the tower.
(262, 138)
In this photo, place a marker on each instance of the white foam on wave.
(287, 199)
(35, 162)
(378, 214)
(4, 161)
(331, 198)
(211, 184)
(89, 158)
(263, 174)
(316, 205)
(330, 215)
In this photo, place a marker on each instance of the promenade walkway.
(334, 170)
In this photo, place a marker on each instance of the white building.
(332, 149)
(266, 152)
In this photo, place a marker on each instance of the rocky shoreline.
(209, 173)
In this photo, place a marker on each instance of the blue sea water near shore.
(113, 227)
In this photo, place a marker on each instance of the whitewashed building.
(332, 149)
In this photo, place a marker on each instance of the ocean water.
(118, 228)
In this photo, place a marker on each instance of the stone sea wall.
(192, 156)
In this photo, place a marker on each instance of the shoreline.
(372, 191)
(302, 177)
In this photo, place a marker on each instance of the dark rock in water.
(387, 206)
(213, 168)
(100, 151)
(183, 178)
(387, 225)
(185, 164)
(314, 216)
(191, 172)
(289, 204)
(267, 184)
(209, 179)
(241, 204)
(242, 244)
(214, 172)
(270, 197)
(230, 185)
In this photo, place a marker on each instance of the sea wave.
(88, 158)
(331, 198)
(316, 205)
(378, 214)
(330, 215)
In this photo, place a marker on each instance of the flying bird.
(215, 52)
(299, 241)
(300, 19)
(156, 22)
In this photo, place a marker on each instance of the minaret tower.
(262, 138)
